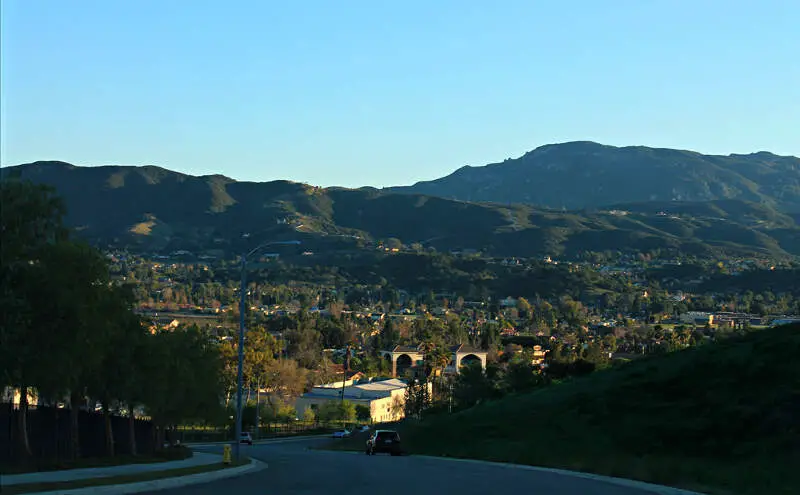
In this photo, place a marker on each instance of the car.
(364, 428)
(341, 433)
(246, 438)
(384, 441)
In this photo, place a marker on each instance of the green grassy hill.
(158, 209)
(723, 418)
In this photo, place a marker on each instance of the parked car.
(341, 433)
(384, 441)
(246, 438)
(363, 428)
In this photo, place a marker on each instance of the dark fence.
(194, 434)
(50, 435)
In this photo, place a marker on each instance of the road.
(294, 469)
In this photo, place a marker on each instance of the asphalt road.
(294, 469)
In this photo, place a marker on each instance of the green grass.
(721, 418)
(58, 465)
(118, 480)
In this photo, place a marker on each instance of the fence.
(50, 435)
(197, 434)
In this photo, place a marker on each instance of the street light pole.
(240, 372)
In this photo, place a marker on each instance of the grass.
(43, 465)
(79, 464)
(118, 480)
(721, 419)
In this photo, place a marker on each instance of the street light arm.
(253, 251)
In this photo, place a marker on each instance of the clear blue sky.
(381, 93)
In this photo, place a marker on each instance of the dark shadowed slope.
(724, 415)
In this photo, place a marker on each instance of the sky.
(382, 93)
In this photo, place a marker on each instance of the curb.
(162, 484)
(641, 485)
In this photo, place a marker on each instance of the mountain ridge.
(157, 209)
(583, 174)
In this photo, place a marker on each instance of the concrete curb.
(641, 485)
(162, 484)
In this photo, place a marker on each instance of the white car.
(246, 438)
(364, 428)
(341, 434)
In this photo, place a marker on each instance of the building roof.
(405, 348)
(387, 385)
(363, 391)
(468, 349)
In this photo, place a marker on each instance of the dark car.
(384, 441)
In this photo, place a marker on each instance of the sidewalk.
(198, 459)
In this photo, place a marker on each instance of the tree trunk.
(109, 430)
(160, 437)
(24, 448)
(132, 428)
(75, 442)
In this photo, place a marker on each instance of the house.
(508, 302)
(164, 323)
(538, 355)
(385, 399)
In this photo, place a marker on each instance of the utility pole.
(258, 405)
(240, 372)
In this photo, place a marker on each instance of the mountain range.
(584, 174)
(155, 209)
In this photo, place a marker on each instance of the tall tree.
(31, 217)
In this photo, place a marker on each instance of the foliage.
(69, 331)
(721, 414)
(363, 413)
(335, 410)
(417, 398)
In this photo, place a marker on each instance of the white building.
(385, 399)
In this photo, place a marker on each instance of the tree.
(521, 376)
(283, 380)
(31, 217)
(116, 378)
(363, 413)
(524, 307)
(417, 398)
(335, 410)
(472, 386)
(71, 321)
(185, 376)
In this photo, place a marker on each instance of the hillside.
(723, 415)
(157, 209)
(580, 175)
